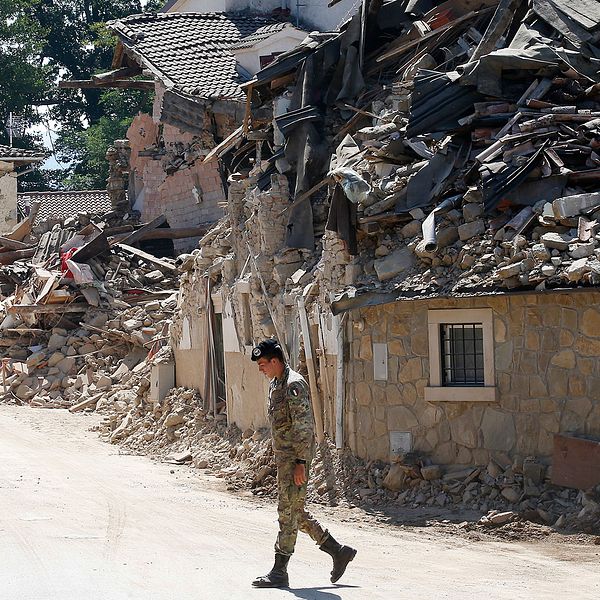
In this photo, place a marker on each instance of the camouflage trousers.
(292, 515)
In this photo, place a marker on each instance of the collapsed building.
(417, 223)
(410, 205)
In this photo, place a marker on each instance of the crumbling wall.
(171, 178)
(8, 202)
(546, 369)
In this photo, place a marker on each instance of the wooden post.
(312, 376)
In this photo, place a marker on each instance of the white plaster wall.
(8, 202)
(247, 392)
(317, 15)
(249, 58)
(203, 6)
(314, 15)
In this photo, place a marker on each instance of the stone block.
(503, 356)
(464, 431)
(590, 322)
(56, 342)
(470, 230)
(431, 472)
(564, 359)
(411, 371)
(532, 340)
(67, 364)
(395, 478)
(395, 263)
(537, 387)
(580, 406)
(587, 347)
(566, 338)
(401, 418)
(499, 330)
(557, 380)
(557, 241)
(498, 430)
(55, 358)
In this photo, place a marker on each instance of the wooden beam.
(139, 233)
(116, 74)
(8, 258)
(132, 84)
(247, 113)
(148, 257)
(13, 244)
(39, 309)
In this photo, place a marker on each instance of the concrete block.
(162, 379)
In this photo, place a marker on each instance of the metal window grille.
(462, 354)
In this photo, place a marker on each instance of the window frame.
(436, 391)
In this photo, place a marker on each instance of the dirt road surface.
(79, 521)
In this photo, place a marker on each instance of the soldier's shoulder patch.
(295, 389)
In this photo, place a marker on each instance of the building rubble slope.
(462, 158)
(81, 311)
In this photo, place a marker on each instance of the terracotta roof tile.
(8, 153)
(193, 50)
(62, 205)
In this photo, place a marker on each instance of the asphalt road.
(79, 521)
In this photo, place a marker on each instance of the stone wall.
(547, 373)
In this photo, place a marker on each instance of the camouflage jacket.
(291, 416)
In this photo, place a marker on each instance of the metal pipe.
(428, 225)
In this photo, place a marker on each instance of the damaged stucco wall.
(8, 202)
(547, 375)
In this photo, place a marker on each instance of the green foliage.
(86, 148)
(23, 76)
(44, 41)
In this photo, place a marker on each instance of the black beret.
(266, 347)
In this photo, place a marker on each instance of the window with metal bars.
(462, 354)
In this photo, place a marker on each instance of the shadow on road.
(317, 593)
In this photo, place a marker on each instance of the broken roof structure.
(19, 155)
(191, 52)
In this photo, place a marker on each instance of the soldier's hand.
(299, 475)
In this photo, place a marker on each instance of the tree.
(23, 76)
(51, 40)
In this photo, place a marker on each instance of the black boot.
(341, 555)
(277, 576)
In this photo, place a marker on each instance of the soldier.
(292, 426)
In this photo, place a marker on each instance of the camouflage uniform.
(292, 425)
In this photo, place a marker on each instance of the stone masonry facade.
(547, 375)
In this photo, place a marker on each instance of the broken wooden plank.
(87, 403)
(40, 309)
(13, 244)
(229, 142)
(167, 233)
(139, 233)
(132, 84)
(148, 257)
(8, 258)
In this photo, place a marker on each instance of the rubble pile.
(481, 172)
(81, 311)
(181, 431)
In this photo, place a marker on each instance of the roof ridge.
(57, 192)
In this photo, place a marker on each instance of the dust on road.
(80, 521)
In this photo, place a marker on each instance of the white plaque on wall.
(380, 362)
